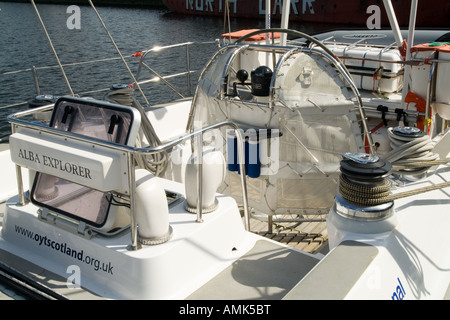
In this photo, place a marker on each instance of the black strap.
(383, 110)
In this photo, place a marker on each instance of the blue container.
(251, 150)
(232, 154)
(252, 163)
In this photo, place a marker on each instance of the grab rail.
(17, 121)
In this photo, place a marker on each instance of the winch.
(40, 101)
(363, 204)
(363, 187)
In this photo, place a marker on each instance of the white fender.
(213, 175)
(152, 211)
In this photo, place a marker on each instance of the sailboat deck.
(309, 236)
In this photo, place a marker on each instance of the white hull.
(411, 246)
(108, 268)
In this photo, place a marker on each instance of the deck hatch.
(92, 118)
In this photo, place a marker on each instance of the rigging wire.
(226, 20)
(118, 51)
(155, 163)
(53, 48)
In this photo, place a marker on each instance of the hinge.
(77, 227)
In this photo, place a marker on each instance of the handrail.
(336, 62)
(287, 51)
(16, 121)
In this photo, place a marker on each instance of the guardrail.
(144, 56)
(17, 120)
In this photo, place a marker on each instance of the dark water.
(24, 45)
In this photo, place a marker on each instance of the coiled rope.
(411, 155)
(376, 194)
(364, 194)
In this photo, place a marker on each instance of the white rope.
(410, 155)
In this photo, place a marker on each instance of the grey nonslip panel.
(336, 274)
(268, 271)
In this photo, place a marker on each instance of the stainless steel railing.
(17, 120)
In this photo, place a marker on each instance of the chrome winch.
(363, 188)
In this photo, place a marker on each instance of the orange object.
(403, 48)
(256, 37)
(433, 46)
(137, 54)
(420, 106)
(374, 129)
